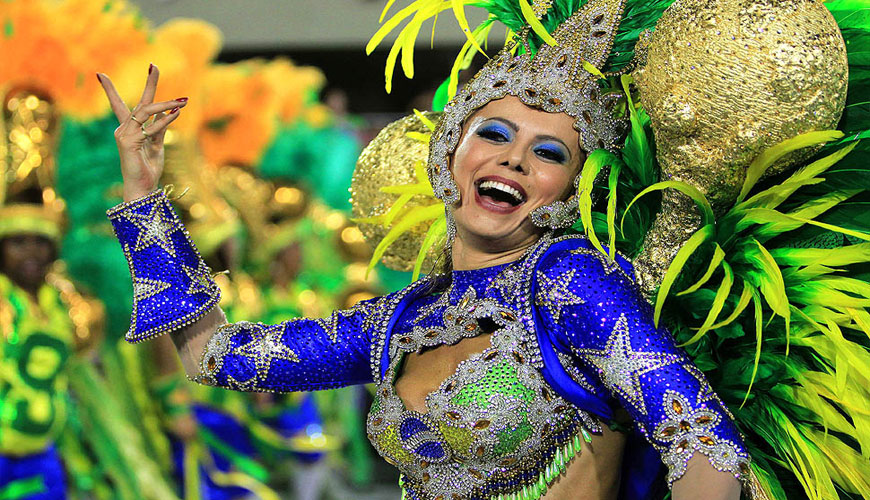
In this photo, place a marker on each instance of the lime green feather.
(611, 208)
(437, 231)
(769, 156)
(680, 259)
(717, 305)
(718, 255)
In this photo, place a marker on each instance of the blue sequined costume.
(571, 340)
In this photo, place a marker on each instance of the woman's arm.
(703, 482)
(174, 293)
(595, 313)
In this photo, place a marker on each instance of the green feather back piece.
(771, 299)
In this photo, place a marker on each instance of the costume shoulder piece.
(597, 317)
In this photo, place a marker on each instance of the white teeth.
(503, 187)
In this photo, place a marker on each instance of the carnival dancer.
(534, 365)
(37, 340)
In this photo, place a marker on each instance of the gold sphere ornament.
(722, 81)
(390, 160)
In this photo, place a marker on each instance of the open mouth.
(500, 194)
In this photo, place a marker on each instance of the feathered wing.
(770, 299)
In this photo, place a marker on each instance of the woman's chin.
(499, 231)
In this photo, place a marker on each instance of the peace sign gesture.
(140, 142)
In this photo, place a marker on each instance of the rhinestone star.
(556, 293)
(330, 324)
(200, 278)
(249, 385)
(144, 288)
(266, 346)
(508, 282)
(155, 228)
(621, 366)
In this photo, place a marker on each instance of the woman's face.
(510, 160)
(25, 259)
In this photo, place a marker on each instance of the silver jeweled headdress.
(560, 78)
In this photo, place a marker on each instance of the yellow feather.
(756, 301)
(437, 230)
(611, 210)
(592, 69)
(459, 12)
(769, 156)
(680, 259)
(386, 8)
(742, 302)
(408, 189)
(423, 119)
(535, 24)
(718, 255)
(716, 308)
(391, 24)
(419, 136)
(414, 216)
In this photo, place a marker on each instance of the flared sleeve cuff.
(172, 285)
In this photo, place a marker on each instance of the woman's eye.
(551, 153)
(494, 133)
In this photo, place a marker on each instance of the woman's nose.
(514, 157)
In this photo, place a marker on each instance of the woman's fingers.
(143, 113)
(150, 87)
(118, 107)
(157, 130)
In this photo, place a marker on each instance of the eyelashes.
(551, 152)
(495, 132)
(499, 133)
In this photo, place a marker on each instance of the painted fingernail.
(174, 110)
(99, 79)
(182, 99)
(150, 68)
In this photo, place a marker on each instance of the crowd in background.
(259, 166)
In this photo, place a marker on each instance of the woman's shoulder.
(576, 256)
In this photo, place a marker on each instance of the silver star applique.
(330, 324)
(556, 293)
(155, 228)
(621, 366)
(145, 288)
(249, 385)
(265, 347)
(508, 282)
(200, 278)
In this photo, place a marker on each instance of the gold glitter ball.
(388, 161)
(722, 81)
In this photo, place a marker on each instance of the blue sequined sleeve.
(598, 318)
(296, 355)
(173, 288)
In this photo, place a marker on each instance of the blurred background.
(282, 100)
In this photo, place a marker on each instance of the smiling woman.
(511, 160)
(535, 367)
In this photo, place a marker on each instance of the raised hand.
(140, 143)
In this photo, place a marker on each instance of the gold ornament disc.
(389, 161)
